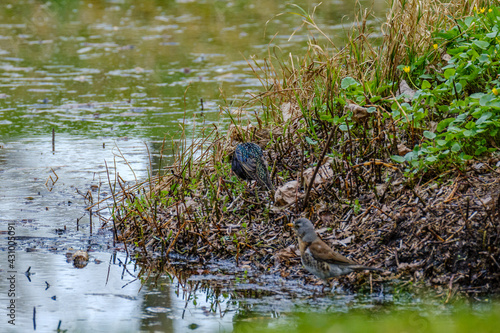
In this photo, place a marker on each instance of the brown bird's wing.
(323, 252)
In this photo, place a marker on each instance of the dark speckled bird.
(249, 164)
(318, 258)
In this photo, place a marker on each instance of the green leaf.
(398, 159)
(484, 58)
(429, 135)
(461, 117)
(481, 44)
(468, 20)
(485, 99)
(348, 82)
(449, 73)
(450, 34)
(412, 155)
(426, 84)
(469, 133)
(442, 142)
(464, 156)
(477, 95)
(494, 105)
(456, 147)
(443, 124)
(426, 76)
(311, 141)
(483, 118)
(326, 117)
(480, 150)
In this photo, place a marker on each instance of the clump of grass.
(446, 52)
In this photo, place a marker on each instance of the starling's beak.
(291, 225)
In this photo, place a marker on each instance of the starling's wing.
(237, 167)
(248, 163)
(323, 252)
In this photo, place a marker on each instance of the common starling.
(248, 163)
(318, 258)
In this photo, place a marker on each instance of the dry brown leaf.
(403, 150)
(326, 217)
(290, 111)
(80, 259)
(235, 131)
(446, 57)
(325, 174)
(405, 89)
(359, 114)
(189, 204)
(288, 193)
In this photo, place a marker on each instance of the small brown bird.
(318, 258)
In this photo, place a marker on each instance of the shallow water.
(111, 80)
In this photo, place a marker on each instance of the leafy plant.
(462, 96)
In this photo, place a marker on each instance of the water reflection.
(80, 298)
(43, 186)
(88, 67)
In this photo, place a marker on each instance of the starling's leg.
(256, 192)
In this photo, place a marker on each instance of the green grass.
(432, 320)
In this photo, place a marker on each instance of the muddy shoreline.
(444, 236)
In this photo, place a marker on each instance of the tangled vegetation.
(388, 145)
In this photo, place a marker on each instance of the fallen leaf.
(290, 111)
(359, 114)
(405, 89)
(325, 174)
(288, 193)
(403, 150)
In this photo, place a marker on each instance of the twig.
(311, 182)
(175, 239)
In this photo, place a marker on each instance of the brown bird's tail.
(366, 268)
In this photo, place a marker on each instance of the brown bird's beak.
(290, 225)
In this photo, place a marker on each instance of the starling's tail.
(262, 174)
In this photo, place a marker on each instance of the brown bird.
(318, 258)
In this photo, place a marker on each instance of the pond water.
(88, 91)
